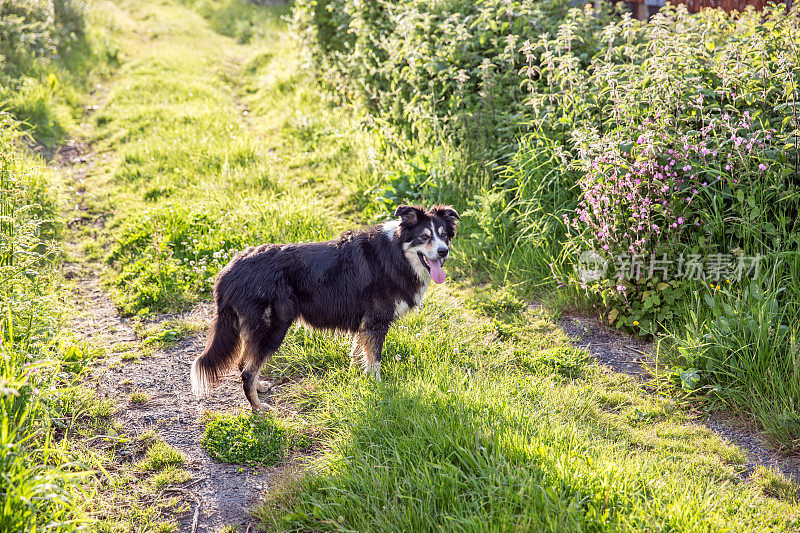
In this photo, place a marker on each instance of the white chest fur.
(401, 307)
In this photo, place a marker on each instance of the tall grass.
(39, 486)
(740, 346)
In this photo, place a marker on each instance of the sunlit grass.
(196, 177)
(487, 418)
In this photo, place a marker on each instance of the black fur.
(351, 284)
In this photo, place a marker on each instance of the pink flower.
(762, 166)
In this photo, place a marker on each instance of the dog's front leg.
(357, 350)
(373, 337)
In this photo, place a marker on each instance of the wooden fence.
(644, 9)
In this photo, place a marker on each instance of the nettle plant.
(648, 206)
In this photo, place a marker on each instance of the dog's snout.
(443, 252)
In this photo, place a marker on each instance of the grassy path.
(146, 378)
(171, 104)
(488, 417)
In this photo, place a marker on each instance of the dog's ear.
(409, 214)
(446, 212)
(449, 215)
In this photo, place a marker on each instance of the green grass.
(47, 90)
(194, 178)
(250, 438)
(739, 347)
(43, 409)
(487, 418)
(166, 332)
(465, 433)
(133, 495)
(138, 398)
(159, 456)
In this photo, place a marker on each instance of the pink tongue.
(437, 273)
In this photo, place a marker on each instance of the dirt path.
(632, 356)
(226, 494)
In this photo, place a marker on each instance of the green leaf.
(690, 380)
(709, 300)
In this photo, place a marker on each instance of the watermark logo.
(592, 266)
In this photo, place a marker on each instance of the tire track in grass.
(151, 387)
(170, 410)
(632, 356)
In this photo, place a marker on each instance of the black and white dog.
(359, 283)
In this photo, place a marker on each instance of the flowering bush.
(668, 199)
(606, 143)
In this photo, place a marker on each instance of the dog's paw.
(261, 407)
(374, 370)
(263, 386)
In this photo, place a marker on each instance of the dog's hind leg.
(261, 342)
(251, 384)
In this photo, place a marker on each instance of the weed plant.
(250, 438)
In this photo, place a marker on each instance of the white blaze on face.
(424, 258)
(435, 263)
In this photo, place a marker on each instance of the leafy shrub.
(567, 131)
(457, 63)
(249, 439)
(39, 28)
(48, 51)
(615, 105)
(717, 190)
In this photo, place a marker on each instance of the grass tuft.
(138, 398)
(775, 484)
(159, 456)
(250, 438)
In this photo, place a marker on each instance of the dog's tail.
(222, 348)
